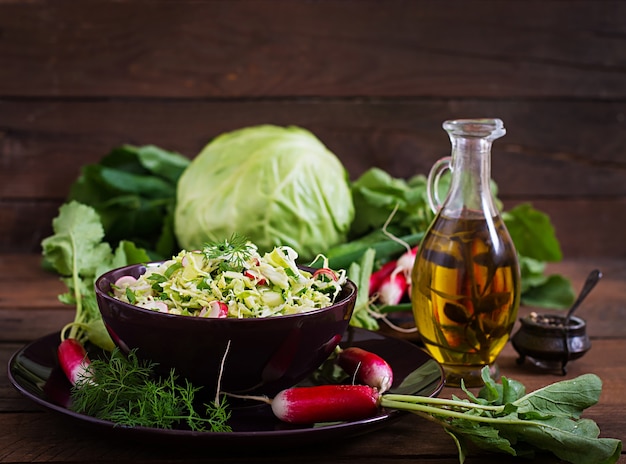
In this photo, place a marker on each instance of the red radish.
(393, 289)
(377, 278)
(255, 277)
(406, 262)
(121, 285)
(367, 367)
(125, 281)
(405, 265)
(218, 309)
(392, 281)
(158, 306)
(325, 403)
(329, 274)
(74, 360)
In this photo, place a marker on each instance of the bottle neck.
(471, 177)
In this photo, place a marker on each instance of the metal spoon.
(592, 279)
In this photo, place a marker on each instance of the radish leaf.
(78, 253)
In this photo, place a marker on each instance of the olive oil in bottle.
(465, 293)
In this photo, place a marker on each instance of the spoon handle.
(592, 279)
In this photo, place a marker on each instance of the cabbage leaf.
(274, 185)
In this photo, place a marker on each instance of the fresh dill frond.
(232, 253)
(126, 392)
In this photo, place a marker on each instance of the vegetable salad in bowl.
(231, 279)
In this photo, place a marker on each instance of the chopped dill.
(233, 253)
(127, 393)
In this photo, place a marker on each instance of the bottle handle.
(432, 186)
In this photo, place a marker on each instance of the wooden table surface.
(29, 310)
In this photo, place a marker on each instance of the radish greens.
(503, 418)
(78, 253)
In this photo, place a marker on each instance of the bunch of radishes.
(391, 284)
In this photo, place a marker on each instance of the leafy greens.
(401, 208)
(133, 190)
(78, 253)
(503, 418)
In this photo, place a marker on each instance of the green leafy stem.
(503, 418)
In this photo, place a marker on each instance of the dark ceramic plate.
(34, 372)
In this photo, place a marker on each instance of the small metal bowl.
(548, 343)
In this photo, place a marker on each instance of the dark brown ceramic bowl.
(265, 355)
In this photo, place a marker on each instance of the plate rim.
(301, 435)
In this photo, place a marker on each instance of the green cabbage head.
(274, 185)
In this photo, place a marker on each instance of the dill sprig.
(126, 392)
(232, 253)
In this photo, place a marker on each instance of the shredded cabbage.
(231, 279)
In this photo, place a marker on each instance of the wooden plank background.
(374, 80)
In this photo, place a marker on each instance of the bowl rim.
(575, 323)
(100, 293)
